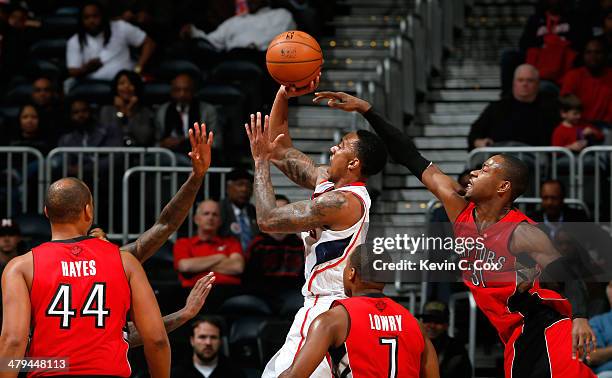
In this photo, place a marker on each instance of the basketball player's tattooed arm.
(296, 165)
(328, 330)
(193, 305)
(531, 240)
(16, 311)
(403, 151)
(175, 212)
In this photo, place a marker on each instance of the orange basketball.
(294, 58)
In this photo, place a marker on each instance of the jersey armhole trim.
(348, 323)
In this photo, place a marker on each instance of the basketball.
(294, 58)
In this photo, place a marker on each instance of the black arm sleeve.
(563, 271)
(399, 144)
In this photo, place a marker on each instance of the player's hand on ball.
(197, 295)
(291, 91)
(201, 146)
(342, 101)
(583, 339)
(259, 138)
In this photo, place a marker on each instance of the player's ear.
(89, 211)
(351, 274)
(354, 164)
(45, 212)
(504, 187)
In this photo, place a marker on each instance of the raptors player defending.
(368, 334)
(75, 291)
(332, 223)
(543, 332)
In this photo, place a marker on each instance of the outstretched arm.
(329, 329)
(331, 209)
(296, 165)
(175, 212)
(193, 305)
(531, 240)
(403, 151)
(15, 313)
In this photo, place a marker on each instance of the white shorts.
(313, 307)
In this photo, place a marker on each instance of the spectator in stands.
(209, 252)
(17, 38)
(174, 118)
(46, 95)
(10, 238)
(262, 23)
(101, 47)
(86, 130)
(601, 358)
(206, 361)
(592, 83)
(275, 262)
(573, 132)
(237, 213)
(554, 211)
(606, 35)
(551, 39)
(127, 113)
(29, 131)
(525, 118)
(452, 357)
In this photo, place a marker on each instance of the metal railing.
(541, 157)
(156, 193)
(101, 167)
(23, 171)
(599, 157)
(452, 304)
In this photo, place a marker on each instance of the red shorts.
(542, 348)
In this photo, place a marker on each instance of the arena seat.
(245, 305)
(244, 75)
(10, 113)
(60, 25)
(243, 340)
(68, 11)
(156, 93)
(19, 94)
(168, 70)
(41, 67)
(271, 337)
(96, 92)
(51, 49)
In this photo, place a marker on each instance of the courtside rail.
(104, 165)
(601, 158)
(156, 191)
(23, 169)
(541, 156)
(452, 309)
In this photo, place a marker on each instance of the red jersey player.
(368, 334)
(542, 331)
(75, 292)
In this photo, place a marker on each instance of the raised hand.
(197, 295)
(583, 339)
(259, 138)
(201, 146)
(291, 91)
(342, 101)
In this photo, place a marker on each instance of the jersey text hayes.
(78, 268)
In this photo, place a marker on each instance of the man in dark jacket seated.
(526, 117)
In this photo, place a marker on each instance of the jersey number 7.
(392, 342)
(60, 305)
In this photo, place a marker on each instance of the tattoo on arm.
(299, 168)
(171, 322)
(306, 215)
(265, 200)
(170, 219)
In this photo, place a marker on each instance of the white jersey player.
(333, 222)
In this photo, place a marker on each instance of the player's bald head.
(66, 200)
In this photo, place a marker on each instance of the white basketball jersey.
(326, 251)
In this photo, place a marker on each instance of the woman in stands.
(28, 131)
(128, 113)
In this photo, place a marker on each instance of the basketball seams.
(296, 81)
(299, 43)
(301, 61)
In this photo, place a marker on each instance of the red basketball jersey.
(80, 297)
(493, 288)
(384, 340)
